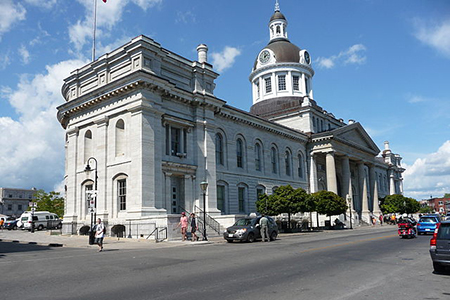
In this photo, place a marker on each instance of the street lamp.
(93, 210)
(204, 186)
(349, 201)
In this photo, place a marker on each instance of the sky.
(383, 63)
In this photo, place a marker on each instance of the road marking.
(349, 243)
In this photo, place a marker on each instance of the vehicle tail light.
(434, 238)
(29, 221)
(418, 224)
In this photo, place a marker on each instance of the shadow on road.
(13, 247)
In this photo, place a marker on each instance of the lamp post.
(349, 201)
(93, 210)
(204, 186)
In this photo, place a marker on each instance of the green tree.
(399, 204)
(446, 195)
(284, 200)
(51, 202)
(330, 204)
(426, 210)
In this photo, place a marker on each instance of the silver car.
(440, 247)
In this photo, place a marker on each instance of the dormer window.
(268, 82)
(295, 83)
(281, 82)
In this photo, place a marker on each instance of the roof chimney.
(202, 51)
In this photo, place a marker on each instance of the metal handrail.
(156, 233)
(210, 221)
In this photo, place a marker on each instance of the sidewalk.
(54, 239)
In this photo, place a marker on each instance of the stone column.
(374, 190)
(363, 190)
(391, 183)
(188, 194)
(346, 177)
(331, 173)
(313, 175)
(70, 211)
(101, 154)
(168, 192)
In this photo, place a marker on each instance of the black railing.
(160, 234)
(210, 221)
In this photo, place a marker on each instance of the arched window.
(122, 193)
(88, 145)
(222, 197)
(300, 166)
(258, 157)
(273, 160)
(239, 153)
(242, 198)
(120, 138)
(287, 162)
(219, 149)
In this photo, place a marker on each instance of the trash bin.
(91, 237)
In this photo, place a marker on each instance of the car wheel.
(229, 241)
(273, 236)
(59, 226)
(15, 227)
(251, 237)
(438, 267)
(40, 227)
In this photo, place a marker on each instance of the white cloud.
(24, 54)
(4, 60)
(145, 4)
(46, 4)
(429, 175)
(225, 59)
(185, 17)
(32, 152)
(437, 35)
(10, 13)
(353, 55)
(108, 15)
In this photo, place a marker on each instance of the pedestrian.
(99, 234)
(264, 223)
(1, 223)
(381, 219)
(184, 224)
(194, 228)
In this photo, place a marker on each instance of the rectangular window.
(175, 141)
(9, 206)
(295, 83)
(268, 82)
(281, 82)
(306, 86)
(122, 193)
(241, 197)
(19, 207)
(221, 198)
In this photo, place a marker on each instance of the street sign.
(91, 198)
(91, 210)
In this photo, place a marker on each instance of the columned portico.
(374, 190)
(392, 183)
(313, 175)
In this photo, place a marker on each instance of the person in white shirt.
(99, 234)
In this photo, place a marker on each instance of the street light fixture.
(349, 201)
(93, 210)
(204, 186)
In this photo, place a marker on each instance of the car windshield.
(243, 222)
(427, 220)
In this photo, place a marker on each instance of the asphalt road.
(338, 265)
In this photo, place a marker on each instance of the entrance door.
(176, 196)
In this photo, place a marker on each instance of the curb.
(33, 243)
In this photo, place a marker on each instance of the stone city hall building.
(151, 120)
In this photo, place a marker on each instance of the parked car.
(11, 224)
(427, 224)
(247, 229)
(42, 219)
(440, 246)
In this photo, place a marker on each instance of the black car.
(11, 224)
(440, 247)
(247, 229)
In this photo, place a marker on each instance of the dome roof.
(277, 16)
(285, 51)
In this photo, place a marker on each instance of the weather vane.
(277, 6)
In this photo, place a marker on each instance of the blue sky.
(384, 63)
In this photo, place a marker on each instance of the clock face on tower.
(264, 57)
(307, 57)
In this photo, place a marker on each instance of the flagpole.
(95, 25)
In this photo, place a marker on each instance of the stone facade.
(148, 122)
(14, 202)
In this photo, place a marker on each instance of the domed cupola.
(282, 72)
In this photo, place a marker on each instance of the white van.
(42, 219)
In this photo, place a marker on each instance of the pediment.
(354, 135)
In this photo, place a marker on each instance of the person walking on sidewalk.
(99, 234)
(264, 223)
(184, 225)
(194, 228)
